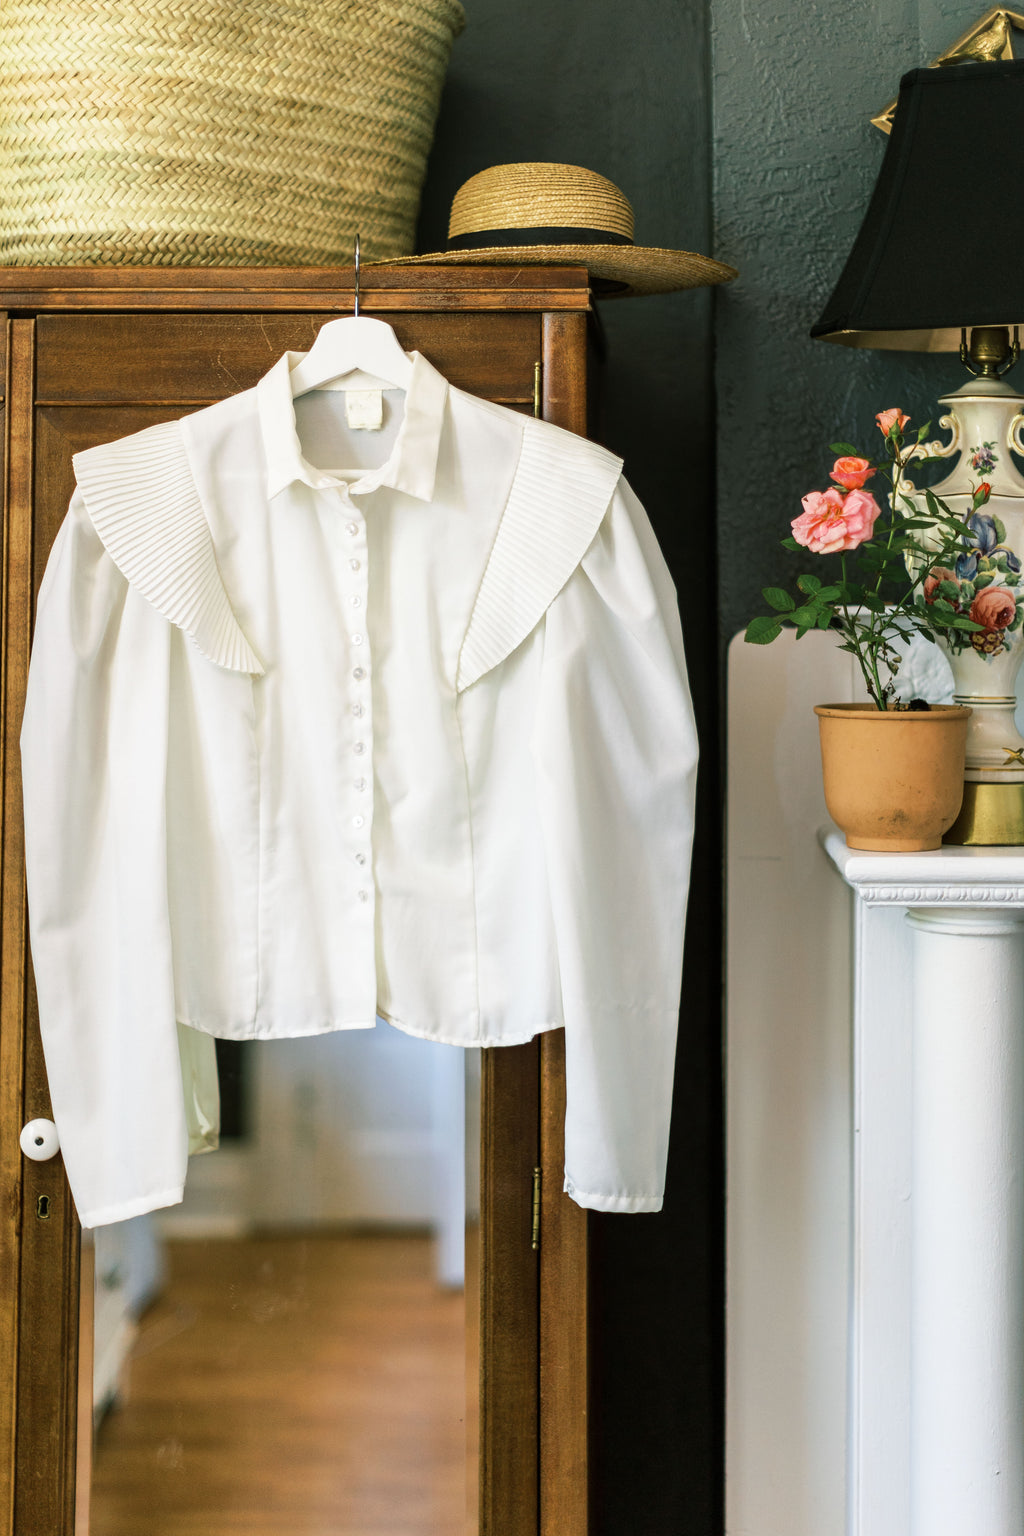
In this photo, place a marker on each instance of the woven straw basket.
(216, 132)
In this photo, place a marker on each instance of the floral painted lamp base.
(985, 582)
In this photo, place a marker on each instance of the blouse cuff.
(102, 1215)
(625, 1205)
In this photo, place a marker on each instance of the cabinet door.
(77, 380)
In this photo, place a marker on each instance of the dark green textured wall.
(623, 90)
(794, 160)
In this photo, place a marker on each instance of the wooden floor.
(311, 1386)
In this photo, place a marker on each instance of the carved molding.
(940, 895)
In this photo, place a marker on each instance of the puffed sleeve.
(94, 752)
(616, 756)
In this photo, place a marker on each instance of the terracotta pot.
(894, 779)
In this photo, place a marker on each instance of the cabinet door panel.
(80, 379)
(38, 1334)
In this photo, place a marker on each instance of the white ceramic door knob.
(39, 1140)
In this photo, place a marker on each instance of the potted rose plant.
(893, 770)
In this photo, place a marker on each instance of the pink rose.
(852, 472)
(891, 418)
(936, 575)
(995, 607)
(832, 521)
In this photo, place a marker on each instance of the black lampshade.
(942, 243)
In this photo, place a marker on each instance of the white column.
(967, 1328)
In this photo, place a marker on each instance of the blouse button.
(357, 821)
(354, 564)
(359, 748)
(360, 858)
(356, 602)
(357, 709)
(359, 673)
(357, 639)
(360, 784)
(353, 528)
(364, 895)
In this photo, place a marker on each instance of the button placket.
(358, 739)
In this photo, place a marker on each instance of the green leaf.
(937, 508)
(778, 598)
(959, 622)
(922, 432)
(790, 544)
(828, 594)
(762, 631)
(984, 579)
(844, 448)
(941, 513)
(948, 589)
(808, 584)
(874, 602)
(825, 618)
(1000, 529)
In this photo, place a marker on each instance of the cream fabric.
(325, 725)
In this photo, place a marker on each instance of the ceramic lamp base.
(991, 816)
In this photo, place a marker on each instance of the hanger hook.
(355, 309)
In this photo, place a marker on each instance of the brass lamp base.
(992, 816)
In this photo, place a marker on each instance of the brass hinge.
(535, 1240)
(536, 389)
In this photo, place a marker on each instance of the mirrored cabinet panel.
(294, 1348)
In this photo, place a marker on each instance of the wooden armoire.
(91, 355)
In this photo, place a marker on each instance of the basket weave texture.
(216, 132)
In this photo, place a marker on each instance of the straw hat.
(546, 214)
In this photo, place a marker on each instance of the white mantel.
(874, 1267)
(955, 877)
(937, 1425)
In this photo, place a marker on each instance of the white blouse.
(326, 724)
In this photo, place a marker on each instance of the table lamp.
(938, 266)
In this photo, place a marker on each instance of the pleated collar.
(141, 494)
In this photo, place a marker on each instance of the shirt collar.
(412, 465)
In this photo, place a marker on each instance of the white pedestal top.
(948, 876)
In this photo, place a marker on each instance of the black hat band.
(545, 234)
